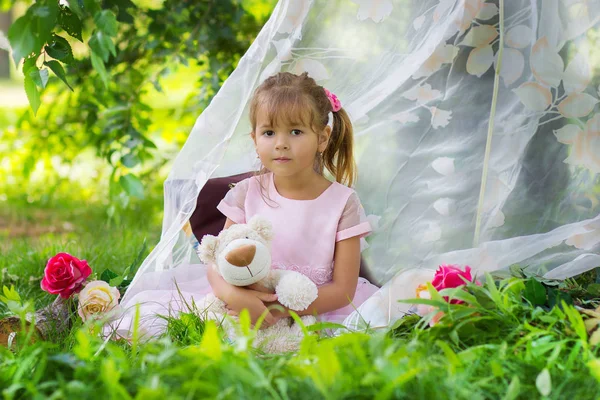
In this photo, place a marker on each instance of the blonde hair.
(298, 99)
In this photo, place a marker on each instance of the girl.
(317, 223)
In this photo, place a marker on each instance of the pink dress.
(305, 231)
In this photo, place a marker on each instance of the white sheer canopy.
(440, 182)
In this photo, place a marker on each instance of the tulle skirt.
(182, 289)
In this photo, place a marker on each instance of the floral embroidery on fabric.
(319, 275)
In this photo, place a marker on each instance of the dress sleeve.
(232, 205)
(353, 221)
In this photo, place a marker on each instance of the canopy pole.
(488, 144)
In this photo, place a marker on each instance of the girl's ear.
(324, 138)
(262, 226)
(208, 249)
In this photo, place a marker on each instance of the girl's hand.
(259, 288)
(254, 301)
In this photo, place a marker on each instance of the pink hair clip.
(335, 102)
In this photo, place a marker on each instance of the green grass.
(496, 346)
(31, 233)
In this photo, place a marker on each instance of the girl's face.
(287, 149)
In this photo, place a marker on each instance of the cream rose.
(96, 299)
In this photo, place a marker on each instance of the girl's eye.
(268, 133)
(296, 132)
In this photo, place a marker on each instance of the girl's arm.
(340, 292)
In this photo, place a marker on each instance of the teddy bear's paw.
(296, 291)
(283, 343)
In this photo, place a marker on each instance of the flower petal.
(443, 54)
(519, 37)
(546, 64)
(314, 68)
(440, 118)
(577, 74)
(405, 117)
(567, 134)
(577, 105)
(444, 206)
(487, 11)
(376, 10)
(585, 241)
(418, 22)
(443, 165)
(422, 94)
(534, 96)
(480, 60)
(512, 66)
(479, 36)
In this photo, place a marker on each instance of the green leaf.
(66, 359)
(32, 94)
(45, 16)
(60, 49)
(594, 289)
(76, 6)
(10, 294)
(40, 77)
(102, 44)
(543, 382)
(106, 22)
(516, 271)
(70, 23)
(98, 65)
(211, 342)
(555, 297)
(107, 275)
(58, 70)
(594, 367)
(132, 185)
(92, 6)
(513, 389)
(130, 160)
(117, 280)
(23, 38)
(535, 292)
(29, 64)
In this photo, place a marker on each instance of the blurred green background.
(84, 173)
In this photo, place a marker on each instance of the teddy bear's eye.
(247, 237)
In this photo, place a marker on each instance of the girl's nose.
(282, 144)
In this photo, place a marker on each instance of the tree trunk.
(5, 20)
(50, 322)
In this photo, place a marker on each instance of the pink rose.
(65, 275)
(450, 276)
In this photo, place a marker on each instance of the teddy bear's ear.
(208, 249)
(262, 226)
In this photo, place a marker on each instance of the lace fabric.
(320, 275)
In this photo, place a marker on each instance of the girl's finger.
(266, 296)
(259, 288)
(232, 313)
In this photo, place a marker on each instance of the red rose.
(65, 275)
(450, 276)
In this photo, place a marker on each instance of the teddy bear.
(242, 256)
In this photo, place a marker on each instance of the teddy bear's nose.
(242, 256)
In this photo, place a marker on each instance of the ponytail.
(338, 157)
